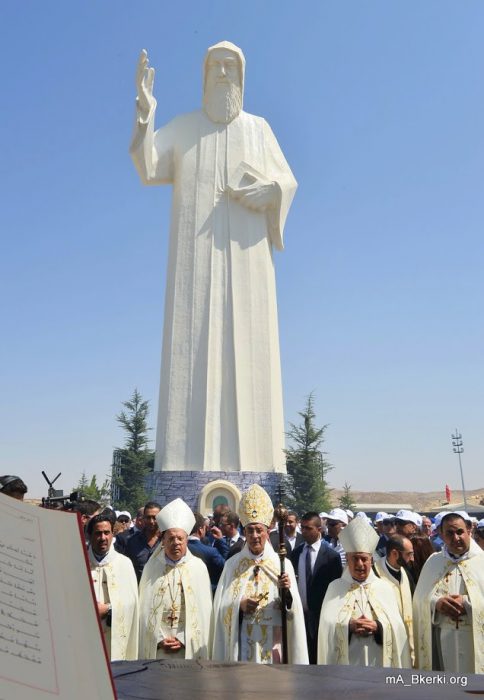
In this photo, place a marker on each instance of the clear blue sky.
(378, 107)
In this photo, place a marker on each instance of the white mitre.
(176, 514)
(358, 536)
(256, 506)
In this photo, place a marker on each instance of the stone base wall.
(166, 486)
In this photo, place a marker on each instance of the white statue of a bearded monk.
(220, 405)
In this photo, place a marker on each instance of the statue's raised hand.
(145, 77)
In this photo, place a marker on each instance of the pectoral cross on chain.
(172, 617)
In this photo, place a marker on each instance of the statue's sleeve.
(279, 172)
(152, 152)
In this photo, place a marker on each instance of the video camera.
(61, 501)
(56, 498)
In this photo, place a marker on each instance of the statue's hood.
(230, 47)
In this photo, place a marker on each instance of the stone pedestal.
(199, 489)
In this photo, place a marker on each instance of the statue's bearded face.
(222, 97)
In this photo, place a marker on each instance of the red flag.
(447, 493)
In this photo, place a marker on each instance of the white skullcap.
(359, 536)
(125, 513)
(323, 515)
(361, 514)
(176, 514)
(480, 524)
(338, 514)
(349, 513)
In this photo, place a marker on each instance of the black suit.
(236, 547)
(274, 538)
(299, 540)
(327, 568)
(122, 540)
(381, 547)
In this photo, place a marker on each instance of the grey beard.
(222, 103)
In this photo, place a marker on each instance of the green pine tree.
(306, 485)
(136, 459)
(91, 490)
(346, 499)
(83, 483)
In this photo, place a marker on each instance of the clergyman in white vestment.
(391, 568)
(220, 405)
(448, 604)
(360, 623)
(247, 604)
(175, 593)
(116, 591)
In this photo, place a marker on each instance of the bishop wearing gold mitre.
(247, 604)
(175, 593)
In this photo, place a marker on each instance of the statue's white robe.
(346, 599)
(115, 582)
(403, 595)
(257, 637)
(220, 405)
(158, 583)
(458, 648)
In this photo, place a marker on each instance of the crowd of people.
(402, 591)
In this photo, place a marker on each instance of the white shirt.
(235, 538)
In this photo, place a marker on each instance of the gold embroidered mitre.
(256, 506)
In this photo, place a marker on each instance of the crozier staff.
(247, 604)
(280, 514)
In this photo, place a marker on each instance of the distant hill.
(419, 500)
